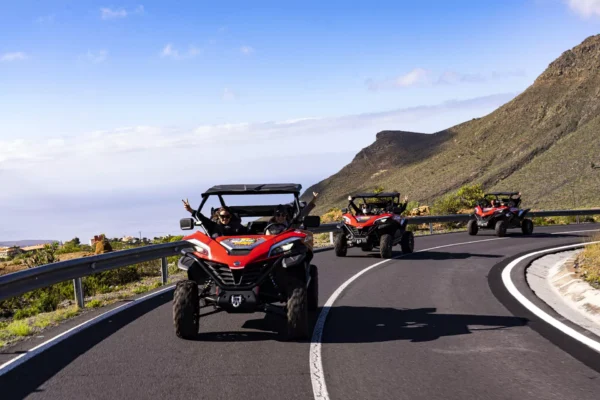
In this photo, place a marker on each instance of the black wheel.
(186, 309)
(340, 245)
(527, 227)
(472, 227)
(313, 289)
(297, 309)
(501, 228)
(407, 243)
(367, 247)
(385, 245)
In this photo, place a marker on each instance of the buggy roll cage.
(395, 196)
(255, 189)
(504, 197)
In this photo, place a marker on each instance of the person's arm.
(309, 207)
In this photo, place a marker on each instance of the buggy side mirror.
(187, 224)
(311, 221)
(344, 211)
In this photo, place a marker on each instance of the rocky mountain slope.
(541, 143)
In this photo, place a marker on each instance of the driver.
(225, 225)
(279, 222)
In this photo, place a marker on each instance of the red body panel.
(219, 254)
(484, 212)
(364, 221)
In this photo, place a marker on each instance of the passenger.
(225, 225)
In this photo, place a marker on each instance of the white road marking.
(317, 374)
(537, 311)
(9, 365)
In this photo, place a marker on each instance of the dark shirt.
(233, 228)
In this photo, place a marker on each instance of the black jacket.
(232, 229)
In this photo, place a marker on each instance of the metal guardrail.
(20, 282)
(45, 275)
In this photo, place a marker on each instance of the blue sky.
(110, 100)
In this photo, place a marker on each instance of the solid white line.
(583, 230)
(537, 311)
(317, 374)
(9, 365)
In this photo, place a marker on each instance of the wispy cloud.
(169, 51)
(45, 19)
(246, 50)
(229, 95)
(107, 13)
(423, 77)
(15, 56)
(96, 57)
(28, 164)
(585, 8)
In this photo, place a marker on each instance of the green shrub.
(19, 328)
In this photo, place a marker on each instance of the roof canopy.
(267, 188)
(370, 195)
(502, 194)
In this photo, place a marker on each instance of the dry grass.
(8, 267)
(588, 262)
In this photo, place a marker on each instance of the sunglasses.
(224, 216)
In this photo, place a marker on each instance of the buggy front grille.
(250, 275)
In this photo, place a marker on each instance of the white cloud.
(585, 8)
(229, 94)
(45, 19)
(15, 56)
(107, 13)
(423, 77)
(169, 51)
(247, 50)
(303, 150)
(96, 57)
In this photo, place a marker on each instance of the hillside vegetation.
(541, 143)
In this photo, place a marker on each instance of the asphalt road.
(425, 326)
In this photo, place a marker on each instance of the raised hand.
(186, 205)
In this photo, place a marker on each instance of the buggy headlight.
(200, 247)
(381, 220)
(283, 246)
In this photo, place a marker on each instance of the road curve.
(423, 326)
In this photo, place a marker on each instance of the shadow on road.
(373, 324)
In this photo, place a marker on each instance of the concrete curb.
(577, 292)
(553, 280)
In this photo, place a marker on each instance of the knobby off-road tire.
(297, 310)
(313, 289)
(340, 245)
(385, 245)
(407, 243)
(527, 227)
(500, 228)
(186, 309)
(472, 227)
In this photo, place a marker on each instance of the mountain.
(541, 143)
(25, 243)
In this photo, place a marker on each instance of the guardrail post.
(431, 228)
(578, 219)
(78, 292)
(331, 237)
(164, 270)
